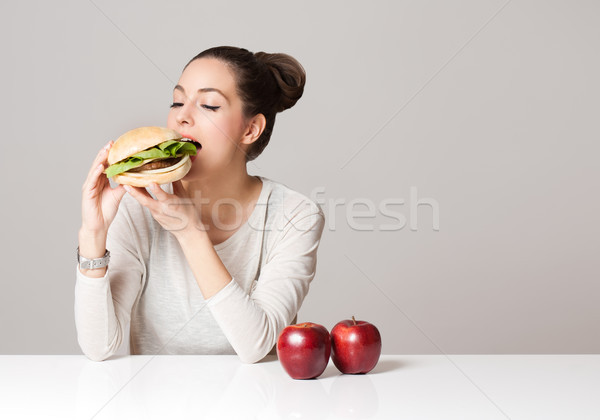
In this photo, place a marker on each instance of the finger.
(94, 168)
(159, 193)
(103, 154)
(95, 180)
(118, 193)
(100, 159)
(142, 196)
(179, 191)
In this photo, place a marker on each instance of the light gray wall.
(488, 112)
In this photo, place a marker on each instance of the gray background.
(491, 111)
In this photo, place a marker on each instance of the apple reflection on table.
(268, 392)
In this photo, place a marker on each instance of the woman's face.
(207, 108)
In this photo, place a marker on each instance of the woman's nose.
(184, 116)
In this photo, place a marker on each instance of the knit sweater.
(149, 302)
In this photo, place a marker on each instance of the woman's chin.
(194, 173)
(188, 177)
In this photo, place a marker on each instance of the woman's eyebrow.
(207, 89)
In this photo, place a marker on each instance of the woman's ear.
(254, 129)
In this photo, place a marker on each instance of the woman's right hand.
(99, 207)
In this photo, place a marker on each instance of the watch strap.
(91, 264)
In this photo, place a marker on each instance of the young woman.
(219, 262)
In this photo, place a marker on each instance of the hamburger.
(150, 154)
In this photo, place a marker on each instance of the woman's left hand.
(175, 212)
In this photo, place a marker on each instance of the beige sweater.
(149, 302)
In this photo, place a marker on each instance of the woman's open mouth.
(195, 143)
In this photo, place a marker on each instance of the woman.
(235, 273)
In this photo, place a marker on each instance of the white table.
(527, 387)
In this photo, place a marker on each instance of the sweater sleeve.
(252, 322)
(103, 305)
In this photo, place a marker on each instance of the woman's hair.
(266, 83)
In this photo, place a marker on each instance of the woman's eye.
(209, 107)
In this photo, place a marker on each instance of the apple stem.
(353, 320)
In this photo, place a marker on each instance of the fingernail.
(127, 188)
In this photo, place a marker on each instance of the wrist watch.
(87, 264)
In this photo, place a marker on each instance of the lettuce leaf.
(167, 149)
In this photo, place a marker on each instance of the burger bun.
(140, 139)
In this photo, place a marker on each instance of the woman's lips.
(185, 137)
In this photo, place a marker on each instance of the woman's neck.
(219, 198)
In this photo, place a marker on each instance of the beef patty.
(157, 164)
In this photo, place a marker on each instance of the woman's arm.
(99, 205)
(209, 271)
(176, 215)
(103, 304)
(103, 298)
(253, 322)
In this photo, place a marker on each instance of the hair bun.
(289, 75)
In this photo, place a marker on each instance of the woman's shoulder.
(288, 207)
(288, 199)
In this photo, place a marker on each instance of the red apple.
(355, 346)
(304, 349)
